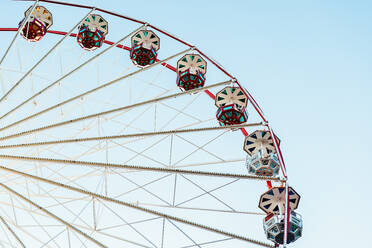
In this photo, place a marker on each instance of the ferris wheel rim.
(233, 80)
(168, 66)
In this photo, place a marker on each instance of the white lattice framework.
(96, 152)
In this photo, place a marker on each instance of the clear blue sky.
(308, 64)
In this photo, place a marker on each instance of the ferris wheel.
(115, 133)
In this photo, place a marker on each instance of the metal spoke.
(106, 85)
(139, 168)
(109, 177)
(66, 75)
(212, 163)
(200, 209)
(104, 112)
(123, 136)
(127, 204)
